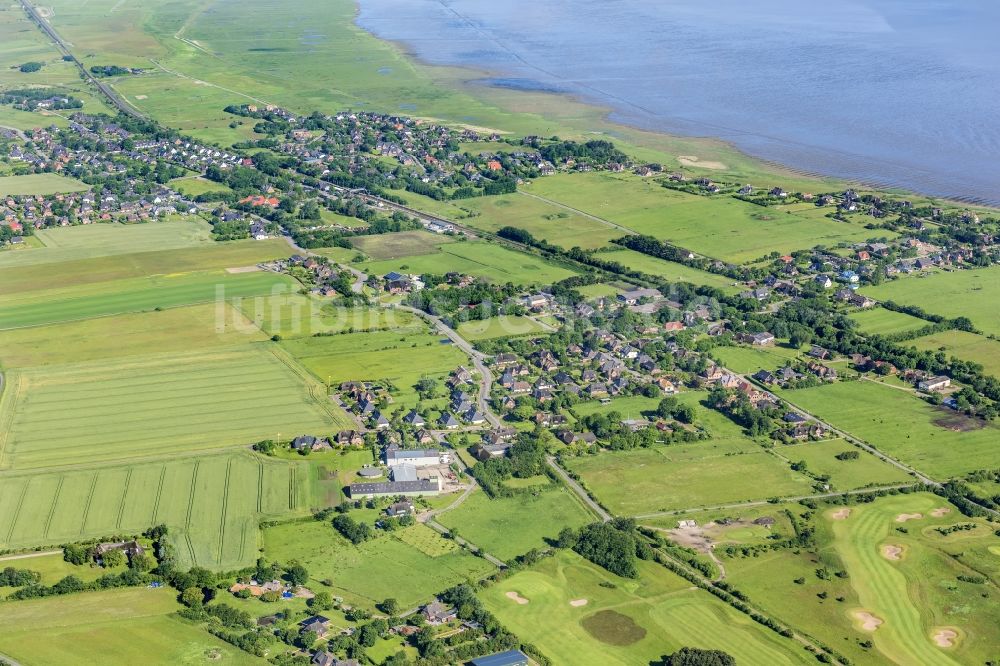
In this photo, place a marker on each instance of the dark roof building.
(508, 658)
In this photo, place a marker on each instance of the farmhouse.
(324, 658)
(403, 508)
(437, 613)
(934, 383)
(430, 486)
(634, 296)
(130, 548)
(416, 457)
(317, 623)
(311, 443)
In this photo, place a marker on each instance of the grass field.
(401, 244)
(720, 227)
(499, 327)
(884, 322)
(626, 621)
(104, 240)
(485, 260)
(748, 360)
(39, 183)
(64, 304)
(402, 357)
(53, 567)
(511, 526)
(134, 625)
(541, 219)
(172, 263)
(953, 294)
(408, 567)
(211, 503)
(131, 408)
(934, 440)
(193, 186)
(293, 315)
(867, 470)
(669, 270)
(963, 345)
(685, 476)
(180, 329)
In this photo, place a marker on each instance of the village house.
(934, 383)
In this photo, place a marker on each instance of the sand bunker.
(937, 513)
(576, 603)
(840, 514)
(868, 621)
(693, 160)
(514, 596)
(903, 517)
(945, 638)
(894, 553)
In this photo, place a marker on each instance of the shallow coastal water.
(897, 92)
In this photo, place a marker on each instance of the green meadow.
(719, 227)
(748, 360)
(511, 526)
(410, 565)
(485, 260)
(377, 356)
(966, 346)
(181, 329)
(155, 404)
(88, 241)
(64, 304)
(821, 458)
(212, 504)
(134, 625)
(935, 440)
(669, 270)
(960, 293)
(879, 321)
(193, 186)
(39, 183)
(499, 327)
(401, 244)
(570, 607)
(294, 315)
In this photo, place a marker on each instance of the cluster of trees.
(29, 67)
(688, 656)
(352, 530)
(597, 152)
(11, 577)
(616, 546)
(663, 250)
(525, 458)
(479, 300)
(110, 70)
(28, 98)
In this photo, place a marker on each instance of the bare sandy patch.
(142, 96)
(868, 621)
(576, 603)
(944, 637)
(891, 552)
(695, 161)
(937, 513)
(903, 517)
(243, 269)
(517, 598)
(840, 514)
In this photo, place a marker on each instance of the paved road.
(578, 489)
(478, 360)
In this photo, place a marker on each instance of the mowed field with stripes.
(212, 503)
(132, 390)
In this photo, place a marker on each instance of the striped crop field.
(51, 306)
(212, 504)
(166, 403)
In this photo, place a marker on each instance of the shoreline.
(476, 82)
